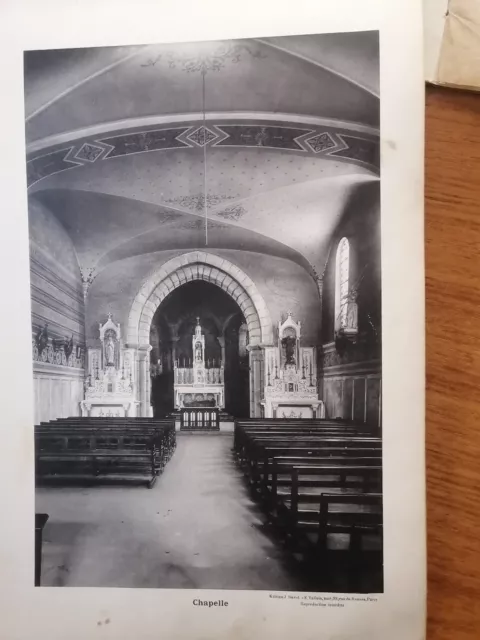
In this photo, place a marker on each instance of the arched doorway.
(173, 325)
(191, 266)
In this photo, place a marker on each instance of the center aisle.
(197, 528)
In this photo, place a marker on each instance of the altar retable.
(199, 385)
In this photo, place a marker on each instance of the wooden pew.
(245, 430)
(253, 447)
(265, 424)
(299, 434)
(107, 440)
(164, 428)
(99, 447)
(70, 440)
(256, 454)
(83, 454)
(275, 470)
(292, 465)
(351, 513)
(295, 491)
(270, 424)
(346, 537)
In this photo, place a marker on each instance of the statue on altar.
(110, 377)
(290, 376)
(110, 352)
(289, 344)
(198, 384)
(41, 338)
(351, 325)
(198, 345)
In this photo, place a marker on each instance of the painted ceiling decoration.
(208, 60)
(356, 149)
(136, 150)
(196, 203)
(305, 75)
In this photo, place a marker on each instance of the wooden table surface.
(453, 363)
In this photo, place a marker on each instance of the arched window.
(342, 272)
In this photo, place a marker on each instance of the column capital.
(260, 346)
(143, 354)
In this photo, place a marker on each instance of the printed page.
(452, 43)
(213, 355)
(435, 13)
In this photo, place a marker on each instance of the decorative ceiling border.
(318, 142)
(159, 121)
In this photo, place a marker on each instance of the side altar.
(291, 376)
(198, 385)
(110, 380)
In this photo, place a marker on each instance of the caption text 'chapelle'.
(210, 603)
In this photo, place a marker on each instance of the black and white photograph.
(206, 314)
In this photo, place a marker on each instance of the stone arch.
(199, 265)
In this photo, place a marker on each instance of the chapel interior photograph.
(205, 271)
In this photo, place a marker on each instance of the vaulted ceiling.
(254, 144)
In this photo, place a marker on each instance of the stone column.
(149, 387)
(144, 380)
(257, 383)
(221, 342)
(175, 340)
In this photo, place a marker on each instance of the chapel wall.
(58, 317)
(114, 289)
(352, 377)
(284, 285)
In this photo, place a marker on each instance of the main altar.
(199, 385)
(110, 380)
(291, 376)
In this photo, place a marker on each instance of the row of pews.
(103, 447)
(319, 483)
(95, 448)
